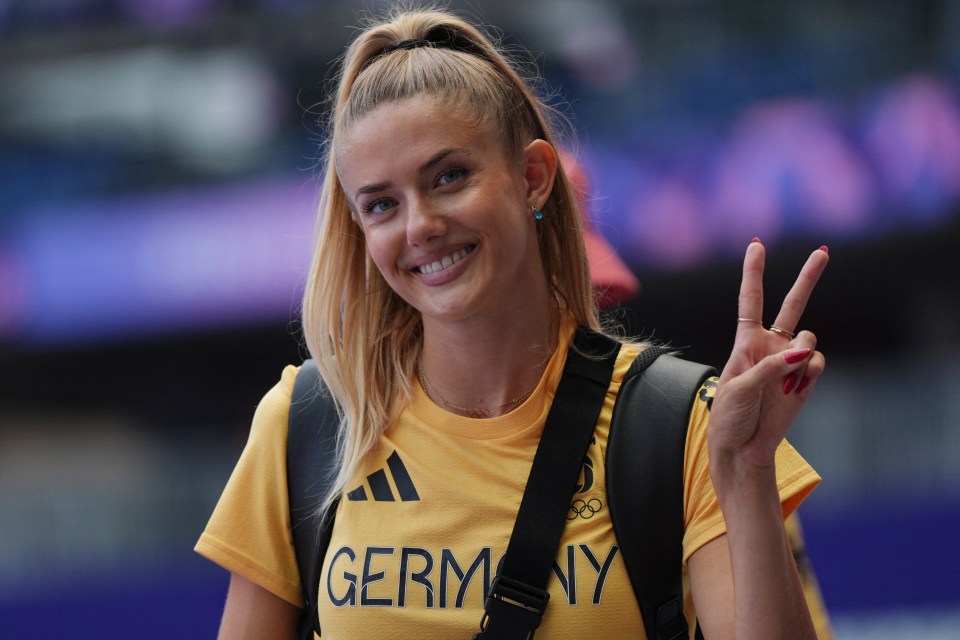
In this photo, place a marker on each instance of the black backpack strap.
(518, 597)
(311, 470)
(645, 451)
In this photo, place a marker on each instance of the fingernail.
(755, 239)
(825, 249)
(797, 355)
(804, 381)
(789, 382)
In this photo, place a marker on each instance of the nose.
(425, 222)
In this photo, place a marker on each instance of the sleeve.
(249, 531)
(703, 520)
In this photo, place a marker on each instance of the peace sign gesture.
(768, 378)
(770, 373)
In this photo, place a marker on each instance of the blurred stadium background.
(157, 187)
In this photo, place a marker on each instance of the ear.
(540, 161)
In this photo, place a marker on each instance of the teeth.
(446, 262)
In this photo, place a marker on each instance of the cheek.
(382, 253)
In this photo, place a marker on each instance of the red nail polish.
(825, 249)
(789, 382)
(755, 239)
(797, 355)
(804, 381)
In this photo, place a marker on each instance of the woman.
(448, 278)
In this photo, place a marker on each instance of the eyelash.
(368, 206)
(461, 171)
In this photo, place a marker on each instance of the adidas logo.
(380, 484)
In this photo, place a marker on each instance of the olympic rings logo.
(584, 509)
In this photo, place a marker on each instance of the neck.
(487, 367)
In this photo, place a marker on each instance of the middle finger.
(796, 299)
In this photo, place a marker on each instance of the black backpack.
(644, 469)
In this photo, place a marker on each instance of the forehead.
(398, 129)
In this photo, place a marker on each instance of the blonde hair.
(364, 337)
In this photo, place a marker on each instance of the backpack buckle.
(512, 607)
(671, 624)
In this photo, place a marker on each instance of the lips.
(446, 262)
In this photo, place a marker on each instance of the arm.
(745, 583)
(808, 578)
(253, 613)
(770, 601)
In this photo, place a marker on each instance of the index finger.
(796, 299)
(750, 307)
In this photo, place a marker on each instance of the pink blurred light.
(667, 224)
(790, 158)
(914, 136)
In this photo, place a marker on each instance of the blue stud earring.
(536, 212)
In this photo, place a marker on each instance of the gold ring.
(749, 320)
(782, 331)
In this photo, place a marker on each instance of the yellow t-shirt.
(426, 520)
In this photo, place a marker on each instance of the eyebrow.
(426, 166)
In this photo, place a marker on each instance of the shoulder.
(675, 368)
(273, 410)
(283, 389)
(628, 353)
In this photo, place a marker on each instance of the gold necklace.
(466, 411)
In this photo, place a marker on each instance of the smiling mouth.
(446, 262)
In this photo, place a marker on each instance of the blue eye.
(450, 175)
(377, 206)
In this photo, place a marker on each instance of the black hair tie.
(439, 38)
(409, 44)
